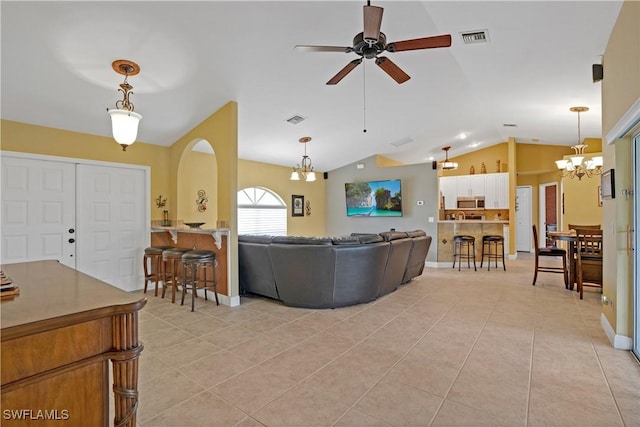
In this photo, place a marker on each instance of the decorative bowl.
(193, 224)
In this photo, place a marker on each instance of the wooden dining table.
(571, 238)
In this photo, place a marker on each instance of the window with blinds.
(261, 211)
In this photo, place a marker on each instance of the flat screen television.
(374, 198)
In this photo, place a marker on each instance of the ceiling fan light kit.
(372, 42)
(124, 121)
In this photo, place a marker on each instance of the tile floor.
(450, 348)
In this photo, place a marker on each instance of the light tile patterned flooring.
(450, 348)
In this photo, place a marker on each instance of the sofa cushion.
(416, 233)
(370, 238)
(393, 235)
(345, 240)
(254, 238)
(302, 240)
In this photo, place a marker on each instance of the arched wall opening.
(197, 184)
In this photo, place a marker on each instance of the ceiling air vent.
(294, 120)
(479, 36)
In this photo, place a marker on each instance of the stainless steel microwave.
(474, 202)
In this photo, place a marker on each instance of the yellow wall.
(200, 173)
(489, 156)
(276, 178)
(27, 138)
(620, 89)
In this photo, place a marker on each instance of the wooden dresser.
(57, 338)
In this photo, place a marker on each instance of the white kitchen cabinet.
(449, 190)
(496, 191)
(471, 185)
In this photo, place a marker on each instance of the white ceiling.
(197, 56)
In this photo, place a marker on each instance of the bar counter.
(58, 335)
(213, 239)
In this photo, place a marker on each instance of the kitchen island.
(472, 227)
(213, 239)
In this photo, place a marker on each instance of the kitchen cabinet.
(449, 191)
(496, 191)
(470, 185)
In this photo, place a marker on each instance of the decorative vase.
(472, 170)
(483, 168)
(498, 166)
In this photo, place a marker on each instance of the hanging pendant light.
(446, 164)
(124, 121)
(576, 165)
(304, 170)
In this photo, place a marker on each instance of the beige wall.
(489, 156)
(620, 89)
(26, 138)
(276, 178)
(200, 172)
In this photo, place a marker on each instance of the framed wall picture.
(297, 205)
(608, 184)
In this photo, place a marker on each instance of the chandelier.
(577, 165)
(124, 121)
(304, 170)
(446, 164)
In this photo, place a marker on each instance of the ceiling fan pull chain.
(364, 99)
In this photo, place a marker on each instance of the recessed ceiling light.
(431, 158)
(462, 135)
(474, 144)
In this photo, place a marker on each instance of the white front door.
(112, 224)
(523, 219)
(38, 211)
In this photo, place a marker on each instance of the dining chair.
(585, 227)
(589, 258)
(549, 252)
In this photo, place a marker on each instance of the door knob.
(71, 230)
(72, 240)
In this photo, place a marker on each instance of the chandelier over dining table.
(580, 164)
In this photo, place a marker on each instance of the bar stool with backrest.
(193, 262)
(589, 258)
(549, 252)
(172, 258)
(492, 241)
(152, 266)
(464, 247)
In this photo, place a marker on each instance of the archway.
(197, 184)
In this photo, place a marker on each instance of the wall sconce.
(202, 200)
(124, 121)
(160, 202)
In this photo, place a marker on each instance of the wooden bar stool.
(152, 265)
(172, 258)
(492, 241)
(192, 262)
(460, 243)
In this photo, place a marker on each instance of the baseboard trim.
(619, 342)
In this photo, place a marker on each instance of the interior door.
(112, 225)
(38, 211)
(523, 219)
(635, 238)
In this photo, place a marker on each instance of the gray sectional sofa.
(323, 272)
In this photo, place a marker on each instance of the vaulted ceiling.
(197, 56)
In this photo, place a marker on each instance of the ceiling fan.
(371, 43)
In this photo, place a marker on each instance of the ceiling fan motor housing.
(362, 47)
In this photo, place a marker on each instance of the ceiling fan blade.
(346, 70)
(312, 48)
(372, 22)
(392, 69)
(423, 43)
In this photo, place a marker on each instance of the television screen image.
(374, 198)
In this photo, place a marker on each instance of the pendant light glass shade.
(124, 125)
